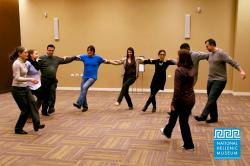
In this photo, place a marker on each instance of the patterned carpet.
(109, 135)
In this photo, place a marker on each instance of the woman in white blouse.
(21, 93)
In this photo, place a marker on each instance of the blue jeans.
(82, 99)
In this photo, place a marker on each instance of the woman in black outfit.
(183, 99)
(159, 78)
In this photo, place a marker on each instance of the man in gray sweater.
(48, 64)
(217, 79)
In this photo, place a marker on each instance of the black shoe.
(20, 132)
(45, 114)
(144, 109)
(153, 110)
(211, 121)
(41, 126)
(77, 105)
(162, 132)
(200, 118)
(84, 109)
(130, 108)
(51, 110)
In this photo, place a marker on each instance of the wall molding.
(139, 90)
(241, 93)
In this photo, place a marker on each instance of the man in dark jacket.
(48, 65)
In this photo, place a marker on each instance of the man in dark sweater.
(217, 79)
(196, 57)
(48, 65)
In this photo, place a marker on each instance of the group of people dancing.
(36, 76)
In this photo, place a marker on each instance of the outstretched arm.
(201, 55)
(117, 62)
(242, 73)
(172, 61)
(234, 64)
(140, 59)
(113, 62)
(78, 58)
(67, 59)
(150, 61)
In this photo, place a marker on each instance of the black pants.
(183, 114)
(49, 95)
(151, 98)
(39, 98)
(214, 90)
(27, 105)
(127, 81)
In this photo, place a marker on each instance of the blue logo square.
(227, 143)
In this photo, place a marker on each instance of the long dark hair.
(185, 59)
(15, 53)
(133, 54)
(30, 53)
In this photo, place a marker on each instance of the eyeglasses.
(162, 54)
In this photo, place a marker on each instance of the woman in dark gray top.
(130, 64)
(183, 99)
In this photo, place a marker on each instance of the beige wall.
(242, 45)
(114, 25)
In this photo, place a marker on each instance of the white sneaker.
(190, 150)
(117, 103)
(161, 130)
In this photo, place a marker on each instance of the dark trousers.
(183, 114)
(39, 97)
(151, 99)
(127, 81)
(27, 105)
(214, 90)
(49, 95)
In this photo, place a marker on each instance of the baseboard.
(139, 90)
(205, 91)
(241, 93)
(113, 89)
